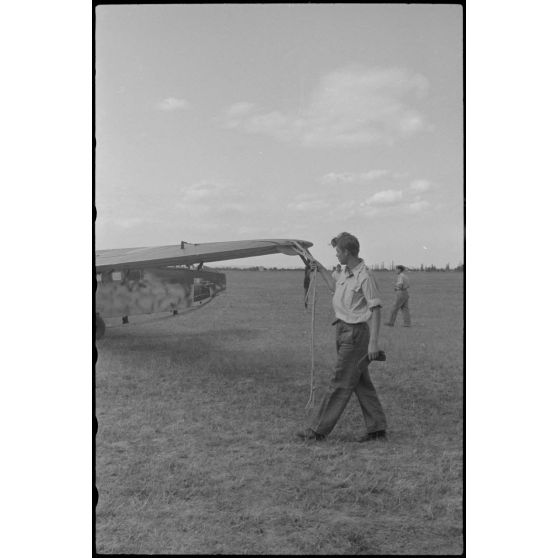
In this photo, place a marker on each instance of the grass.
(196, 452)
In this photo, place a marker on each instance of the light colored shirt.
(356, 293)
(337, 275)
(402, 283)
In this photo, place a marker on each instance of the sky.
(231, 122)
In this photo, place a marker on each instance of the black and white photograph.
(279, 260)
(221, 220)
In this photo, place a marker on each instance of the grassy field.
(196, 452)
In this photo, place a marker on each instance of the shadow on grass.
(236, 350)
(139, 340)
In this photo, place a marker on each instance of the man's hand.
(315, 265)
(373, 351)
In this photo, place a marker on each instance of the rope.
(310, 403)
(306, 298)
(307, 257)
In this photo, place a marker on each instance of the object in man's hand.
(366, 357)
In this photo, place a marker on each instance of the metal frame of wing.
(187, 254)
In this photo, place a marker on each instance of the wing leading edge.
(186, 254)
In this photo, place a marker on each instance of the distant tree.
(460, 267)
(422, 267)
(447, 267)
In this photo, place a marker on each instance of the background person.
(402, 298)
(357, 307)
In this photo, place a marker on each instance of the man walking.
(402, 299)
(357, 307)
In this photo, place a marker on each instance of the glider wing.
(188, 254)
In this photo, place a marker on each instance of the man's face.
(341, 255)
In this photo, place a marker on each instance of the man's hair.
(346, 241)
(401, 267)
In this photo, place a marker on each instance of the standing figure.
(357, 308)
(402, 299)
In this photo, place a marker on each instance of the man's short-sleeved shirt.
(356, 293)
(337, 275)
(402, 283)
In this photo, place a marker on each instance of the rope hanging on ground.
(307, 258)
(310, 403)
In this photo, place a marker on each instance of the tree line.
(374, 267)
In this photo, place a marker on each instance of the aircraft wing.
(185, 253)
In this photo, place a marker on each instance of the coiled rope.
(308, 258)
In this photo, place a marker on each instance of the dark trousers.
(352, 344)
(401, 303)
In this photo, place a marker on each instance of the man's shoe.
(309, 434)
(378, 435)
(406, 325)
(388, 324)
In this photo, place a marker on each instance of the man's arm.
(374, 326)
(372, 295)
(326, 275)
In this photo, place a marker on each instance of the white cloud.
(129, 222)
(218, 199)
(170, 103)
(229, 208)
(338, 177)
(353, 177)
(420, 185)
(417, 206)
(349, 204)
(214, 197)
(240, 109)
(310, 205)
(248, 230)
(384, 197)
(372, 211)
(350, 106)
(373, 174)
(200, 191)
(305, 196)
(236, 113)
